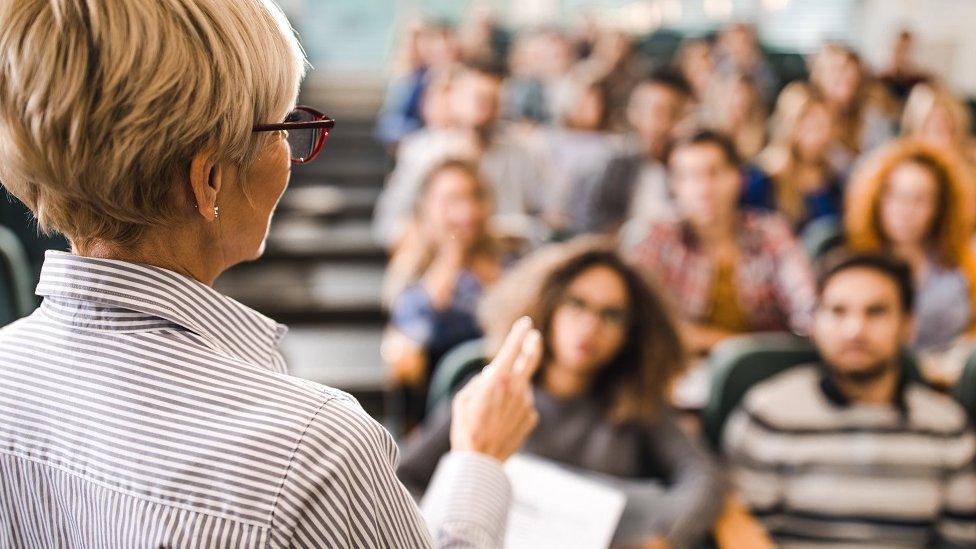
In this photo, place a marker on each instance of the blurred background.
(826, 123)
(323, 271)
(372, 61)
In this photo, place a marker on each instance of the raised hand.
(495, 412)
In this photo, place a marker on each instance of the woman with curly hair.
(915, 201)
(610, 354)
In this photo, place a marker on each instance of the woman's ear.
(205, 183)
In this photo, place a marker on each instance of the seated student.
(850, 452)
(737, 49)
(578, 148)
(735, 106)
(426, 49)
(517, 175)
(696, 63)
(934, 114)
(610, 353)
(802, 185)
(634, 184)
(914, 200)
(728, 270)
(437, 276)
(855, 100)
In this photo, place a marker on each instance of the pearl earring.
(216, 212)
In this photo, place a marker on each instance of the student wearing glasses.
(138, 406)
(610, 353)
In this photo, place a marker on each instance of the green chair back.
(965, 389)
(821, 236)
(454, 369)
(16, 288)
(739, 364)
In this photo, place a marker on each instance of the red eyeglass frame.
(320, 121)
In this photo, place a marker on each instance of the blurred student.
(436, 278)
(932, 113)
(902, 74)
(734, 105)
(728, 270)
(738, 51)
(617, 62)
(802, 185)
(856, 101)
(915, 201)
(540, 64)
(481, 38)
(696, 64)
(610, 353)
(427, 49)
(523, 92)
(634, 183)
(850, 451)
(517, 175)
(578, 149)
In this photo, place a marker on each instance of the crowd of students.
(643, 212)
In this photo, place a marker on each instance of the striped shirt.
(140, 408)
(820, 470)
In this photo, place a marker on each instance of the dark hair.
(885, 264)
(668, 78)
(708, 137)
(492, 69)
(635, 384)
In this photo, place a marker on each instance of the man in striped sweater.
(851, 452)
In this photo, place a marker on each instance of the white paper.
(555, 508)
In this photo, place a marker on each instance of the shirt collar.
(834, 394)
(225, 324)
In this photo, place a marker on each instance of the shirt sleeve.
(467, 503)
(607, 199)
(413, 314)
(957, 522)
(794, 276)
(342, 491)
(424, 450)
(696, 488)
(757, 480)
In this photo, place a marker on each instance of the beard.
(863, 376)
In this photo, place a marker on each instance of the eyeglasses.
(308, 130)
(609, 316)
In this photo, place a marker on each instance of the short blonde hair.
(104, 104)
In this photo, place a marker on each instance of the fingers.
(504, 361)
(528, 360)
(524, 427)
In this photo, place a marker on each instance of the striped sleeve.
(341, 489)
(467, 502)
(757, 480)
(957, 522)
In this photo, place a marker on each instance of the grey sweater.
(673, 487)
